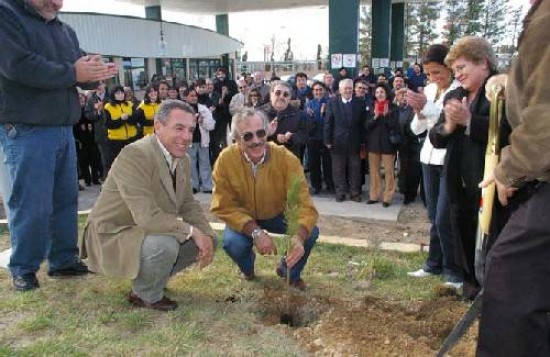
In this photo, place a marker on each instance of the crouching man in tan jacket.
(133, 230)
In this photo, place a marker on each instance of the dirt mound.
(368, 327)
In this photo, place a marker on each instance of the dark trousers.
(441, 256)
(515, 317)
(320, 165)
(409, 173)
(89, 162)
(346, 173)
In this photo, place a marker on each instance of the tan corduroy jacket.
(528, 107)
(137, 199)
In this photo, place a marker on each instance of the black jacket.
(378, 131)
(345, 134)
(289, 120)
(37, 74)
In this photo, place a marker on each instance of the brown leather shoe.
(163, 304)
(356, 198)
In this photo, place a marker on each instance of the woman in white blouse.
(428, 105)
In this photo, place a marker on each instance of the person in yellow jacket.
(145, 112)
(120, 124)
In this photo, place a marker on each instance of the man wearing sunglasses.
(251, 180)
(292, 127)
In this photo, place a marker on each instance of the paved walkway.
(326, 205)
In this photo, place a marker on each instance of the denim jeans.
(43, 205)
(5, 182)
(441, 253)
(202, 154)
(239, 246)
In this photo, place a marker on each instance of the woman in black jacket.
(462, 129)
(383, 122)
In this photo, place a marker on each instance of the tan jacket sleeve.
(528, 155)
(133, 179)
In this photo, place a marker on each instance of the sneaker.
(456, 286)
(420, 273)
(77, 269)
(25, 282)
(247, 277)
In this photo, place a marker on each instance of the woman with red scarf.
(383, 122)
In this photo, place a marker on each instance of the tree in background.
(472, 17)
(515, 27)
(493, 25)
(289, 56)
(453, 28)
(420, 26)
(365, 34)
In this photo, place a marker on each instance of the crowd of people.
(435, 119)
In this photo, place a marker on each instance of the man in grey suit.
(344, 134)
(133, 230)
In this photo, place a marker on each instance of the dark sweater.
(37, 73)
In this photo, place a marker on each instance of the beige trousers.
(376, 180)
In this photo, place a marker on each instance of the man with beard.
(251, 181)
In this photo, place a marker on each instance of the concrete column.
(397, 32)
(343, 30)
(381, 33)
(222, 27)
(120, 66)
(153, 12)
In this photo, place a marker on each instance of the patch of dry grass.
(218, 313)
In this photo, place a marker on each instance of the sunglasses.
(246, 137)
(278, 93)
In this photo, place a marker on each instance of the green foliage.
(454, 21)
(420, 26)
(365, 33)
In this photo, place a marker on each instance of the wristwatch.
(256, 233)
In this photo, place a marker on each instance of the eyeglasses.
(254, 96)
(242, 87)
(317, 89)
(278, 93)
(362, 88)
(246, 137)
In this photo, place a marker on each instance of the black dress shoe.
(207, 191)
(77, 269)
(25, 282)
(371, 202)
(340, 198)
(407, 201)
(195, 190)
(316, 191)
(163, 304)
(385, 204)
(356, 198)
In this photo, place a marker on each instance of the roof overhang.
(215, 7)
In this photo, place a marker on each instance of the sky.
(307, 27)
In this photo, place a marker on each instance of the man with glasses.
(251, 181)
(291, 123)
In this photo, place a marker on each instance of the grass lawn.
(218, 314)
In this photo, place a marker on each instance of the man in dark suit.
(344, 134)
